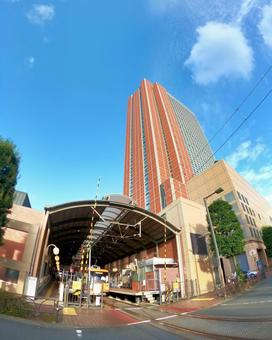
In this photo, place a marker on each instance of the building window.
(163, 198)
(9, 275)
(259, 216)
(255, 233)
(199, 246)
(243, 207)
(247, 219)
(251, 232)
(229, 197)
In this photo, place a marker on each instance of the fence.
(33, 308)
(235, 286)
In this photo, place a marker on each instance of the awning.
(118, 229)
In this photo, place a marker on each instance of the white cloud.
(39, 14)
(259, 176)
(264, 173)
(161, 6)
(30, 61)
(221, 50)
(246, 7)
(265, 25)
(260, 179)
(245, 151)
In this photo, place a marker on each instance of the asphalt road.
(17, 330)
(247, 316)
(257, 302)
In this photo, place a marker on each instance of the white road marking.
(138, 322)
(246, 303)
(167, 317)
(79, 333)
(184, 313)
(132, 308)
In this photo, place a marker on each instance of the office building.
(164, 148)
(251, 209)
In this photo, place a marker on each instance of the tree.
(9, 167)
(267, 238)
(228, 232)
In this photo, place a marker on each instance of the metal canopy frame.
(119, 229)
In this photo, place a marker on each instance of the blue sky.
(67, 68)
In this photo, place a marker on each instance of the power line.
(236, 110)
(239, 126)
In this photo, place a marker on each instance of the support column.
(181, 265)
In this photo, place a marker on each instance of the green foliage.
(15, 305)
(9, 167)
(267, 238)
(240, 275)
(228, 232)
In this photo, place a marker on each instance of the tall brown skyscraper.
(162, 139)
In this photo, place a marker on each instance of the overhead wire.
(239, 126)
(235, 111)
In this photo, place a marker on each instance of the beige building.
(17, 252)
(252, 210)
(197, 264)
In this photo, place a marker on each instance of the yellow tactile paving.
(69, 311)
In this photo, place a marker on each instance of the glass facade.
(146, 189)
(199, 150)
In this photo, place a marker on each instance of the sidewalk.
(108, 316)
(96, 318)
(193, 304)
(111, 316)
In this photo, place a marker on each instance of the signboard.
(61, 291)
(163, 287)
(31, 286)
(176, 287)
(97, 300)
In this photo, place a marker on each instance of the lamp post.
(217, 191)
(56, 253)
(55, 250)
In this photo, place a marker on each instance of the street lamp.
(55, 250)
(217, 191)
(56, 253)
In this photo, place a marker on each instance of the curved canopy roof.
(114, 229)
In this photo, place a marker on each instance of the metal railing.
(31, 308)
(234, 286)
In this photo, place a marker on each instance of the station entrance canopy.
(113, 229)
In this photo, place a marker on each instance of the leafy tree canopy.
(9, 165)
(267, 238)
(228, 232)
